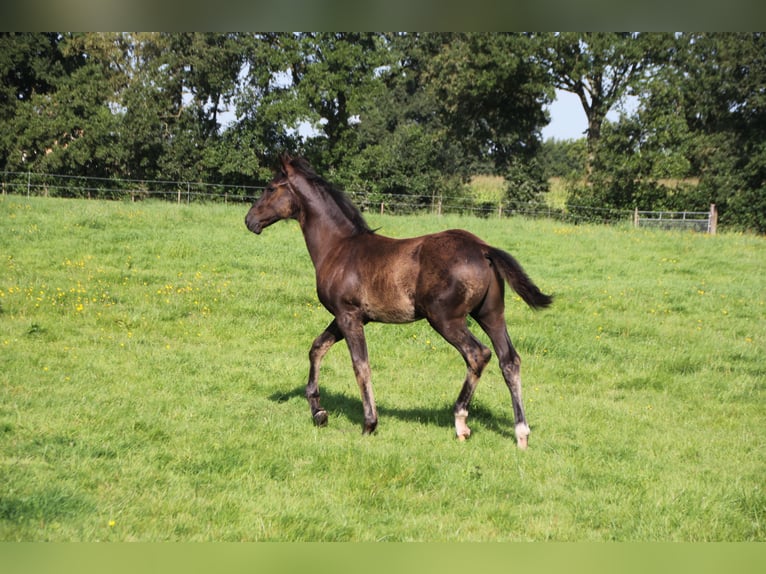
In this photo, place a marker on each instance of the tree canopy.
(413, 114)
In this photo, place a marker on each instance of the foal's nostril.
(253, 226)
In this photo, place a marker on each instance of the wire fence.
(56, 185)
(438, 205)
(186, 192)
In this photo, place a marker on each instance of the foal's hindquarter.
(443, 278)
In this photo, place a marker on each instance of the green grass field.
(153, 358)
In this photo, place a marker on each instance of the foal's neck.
(325, 227)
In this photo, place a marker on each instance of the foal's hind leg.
(319, 348)
(476, 357)
(510, 364)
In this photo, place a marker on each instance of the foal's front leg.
(319, 348)
(353, 330)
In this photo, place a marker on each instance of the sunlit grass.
(153, 358)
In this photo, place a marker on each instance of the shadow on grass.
(480, 417)
(47, 505)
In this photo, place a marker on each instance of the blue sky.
(568, 120)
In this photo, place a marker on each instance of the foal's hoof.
(464, 435)
(320, 418)
(369, 427)
(522, 435)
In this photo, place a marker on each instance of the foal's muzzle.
(255, 226)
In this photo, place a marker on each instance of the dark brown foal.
(363, 277)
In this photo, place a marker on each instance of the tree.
(454, 105)
(178, 84)
(413, 112)
(267, 110)
(303, 93)
(701, 118)
(563, 158)
(335, 76)
(409, 114)
(643, 160)
(724, 75)
(600, 69)
(29, 65)
(492, 93)
(55, 106)
(404, 146)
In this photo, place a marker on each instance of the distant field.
(491, 189)
(487, 188)
(557, 193)
(153, 358)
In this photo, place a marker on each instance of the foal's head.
(297, 189)
(278, 201)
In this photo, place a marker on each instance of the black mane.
(346, 206)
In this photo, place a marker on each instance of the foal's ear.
(286, 159)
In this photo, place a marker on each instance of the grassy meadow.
(153, 358)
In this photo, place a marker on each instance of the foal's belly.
(391, 307)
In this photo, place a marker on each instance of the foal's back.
(402, 280)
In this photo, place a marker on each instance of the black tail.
(510, 269)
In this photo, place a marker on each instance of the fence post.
(635, 218)
(713, 223)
